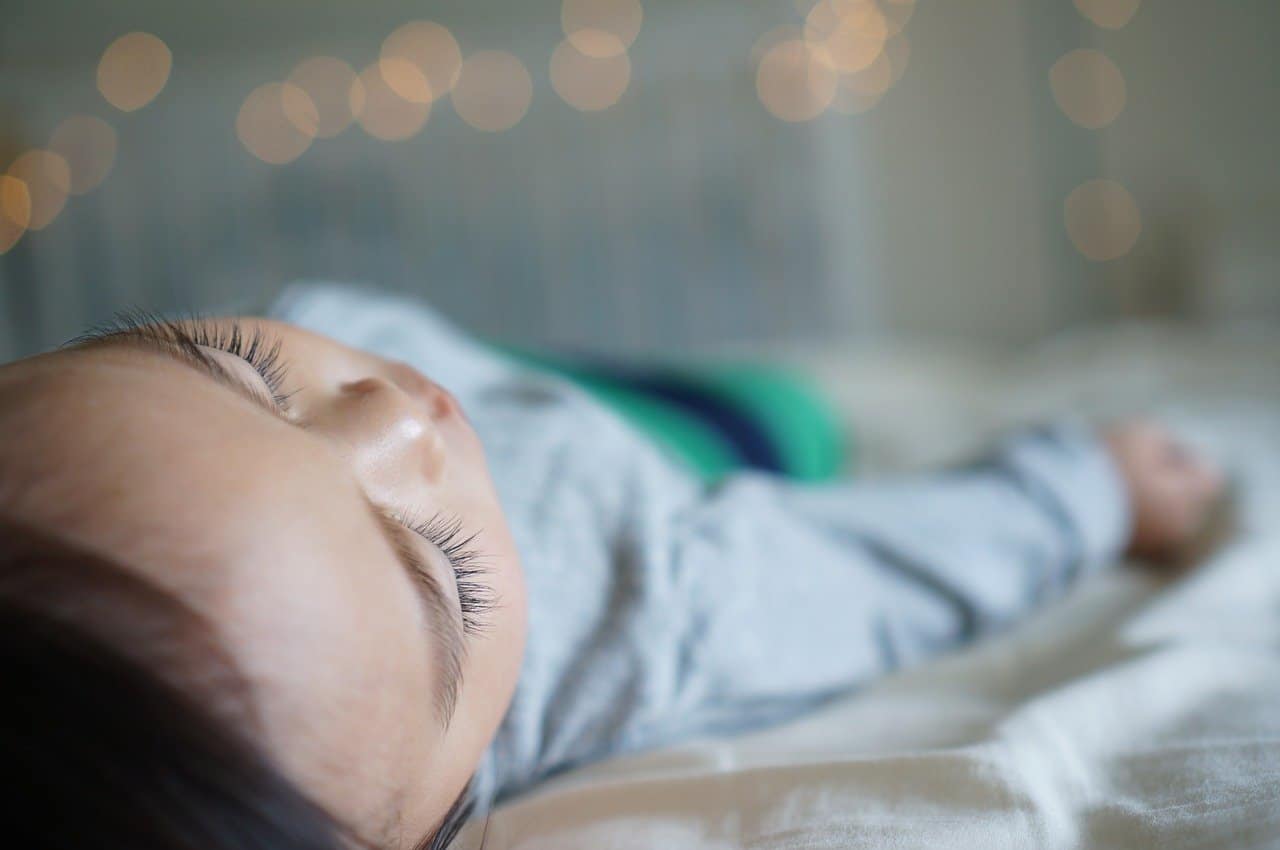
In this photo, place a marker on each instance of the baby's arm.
(813, 590)
(995, 538)
(1047, 506)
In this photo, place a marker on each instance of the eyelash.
(259, 349)
(474, 596)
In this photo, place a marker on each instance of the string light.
(382, 112)
(793, 84)
(327, 82)
(897, 13)
(406, 80)
(845, 57)
(859, 91)
(1089, 88)
(898, 51)
(88, 145)
(774, 37)
(15, 211)
(277, 122)
(848, 36)
(601, 28)
(427, 48)
(493, 91)
(48, 180)
(1109, 14)
(586, 82)
(133, 70)
(1102, 219)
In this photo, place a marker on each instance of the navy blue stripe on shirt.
(747, 438)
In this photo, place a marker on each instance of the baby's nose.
(439, 401)
(391, 431)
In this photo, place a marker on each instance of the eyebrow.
(449, 644)
(188, 353)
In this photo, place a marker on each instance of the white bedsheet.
(1130, 715)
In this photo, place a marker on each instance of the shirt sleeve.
(999, 535)
(811, 591)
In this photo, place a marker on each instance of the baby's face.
(336, 523)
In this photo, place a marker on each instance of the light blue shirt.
(661, 609)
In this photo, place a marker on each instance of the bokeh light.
(1109, 14)
(133, 70)
(897, 13)
(429, 48)
(327, 82)
(15, 211)
(861, 90)
(382, 112)
(898, 51)
(771, 39)
(601, 28)
(1102, 219)
(493, 91)
(793, 84)
(48, 180)
(277, 122)
(406, 79)
(587, 82)
(1089, 88)
(848, 34)
(88, 145)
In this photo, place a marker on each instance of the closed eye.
(475, 596)
(442, 618)
(189, 341)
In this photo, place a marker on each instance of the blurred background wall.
(646, 178)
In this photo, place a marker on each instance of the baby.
(260, 587)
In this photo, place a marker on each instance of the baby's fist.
(1171, 489)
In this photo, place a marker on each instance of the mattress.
(1139, 711)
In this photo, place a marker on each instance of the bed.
(1136, 712)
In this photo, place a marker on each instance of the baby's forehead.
(101, 423)
(152, 462)
(60, 417)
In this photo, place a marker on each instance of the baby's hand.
(1172, 491)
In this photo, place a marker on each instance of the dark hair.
(109, 740)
